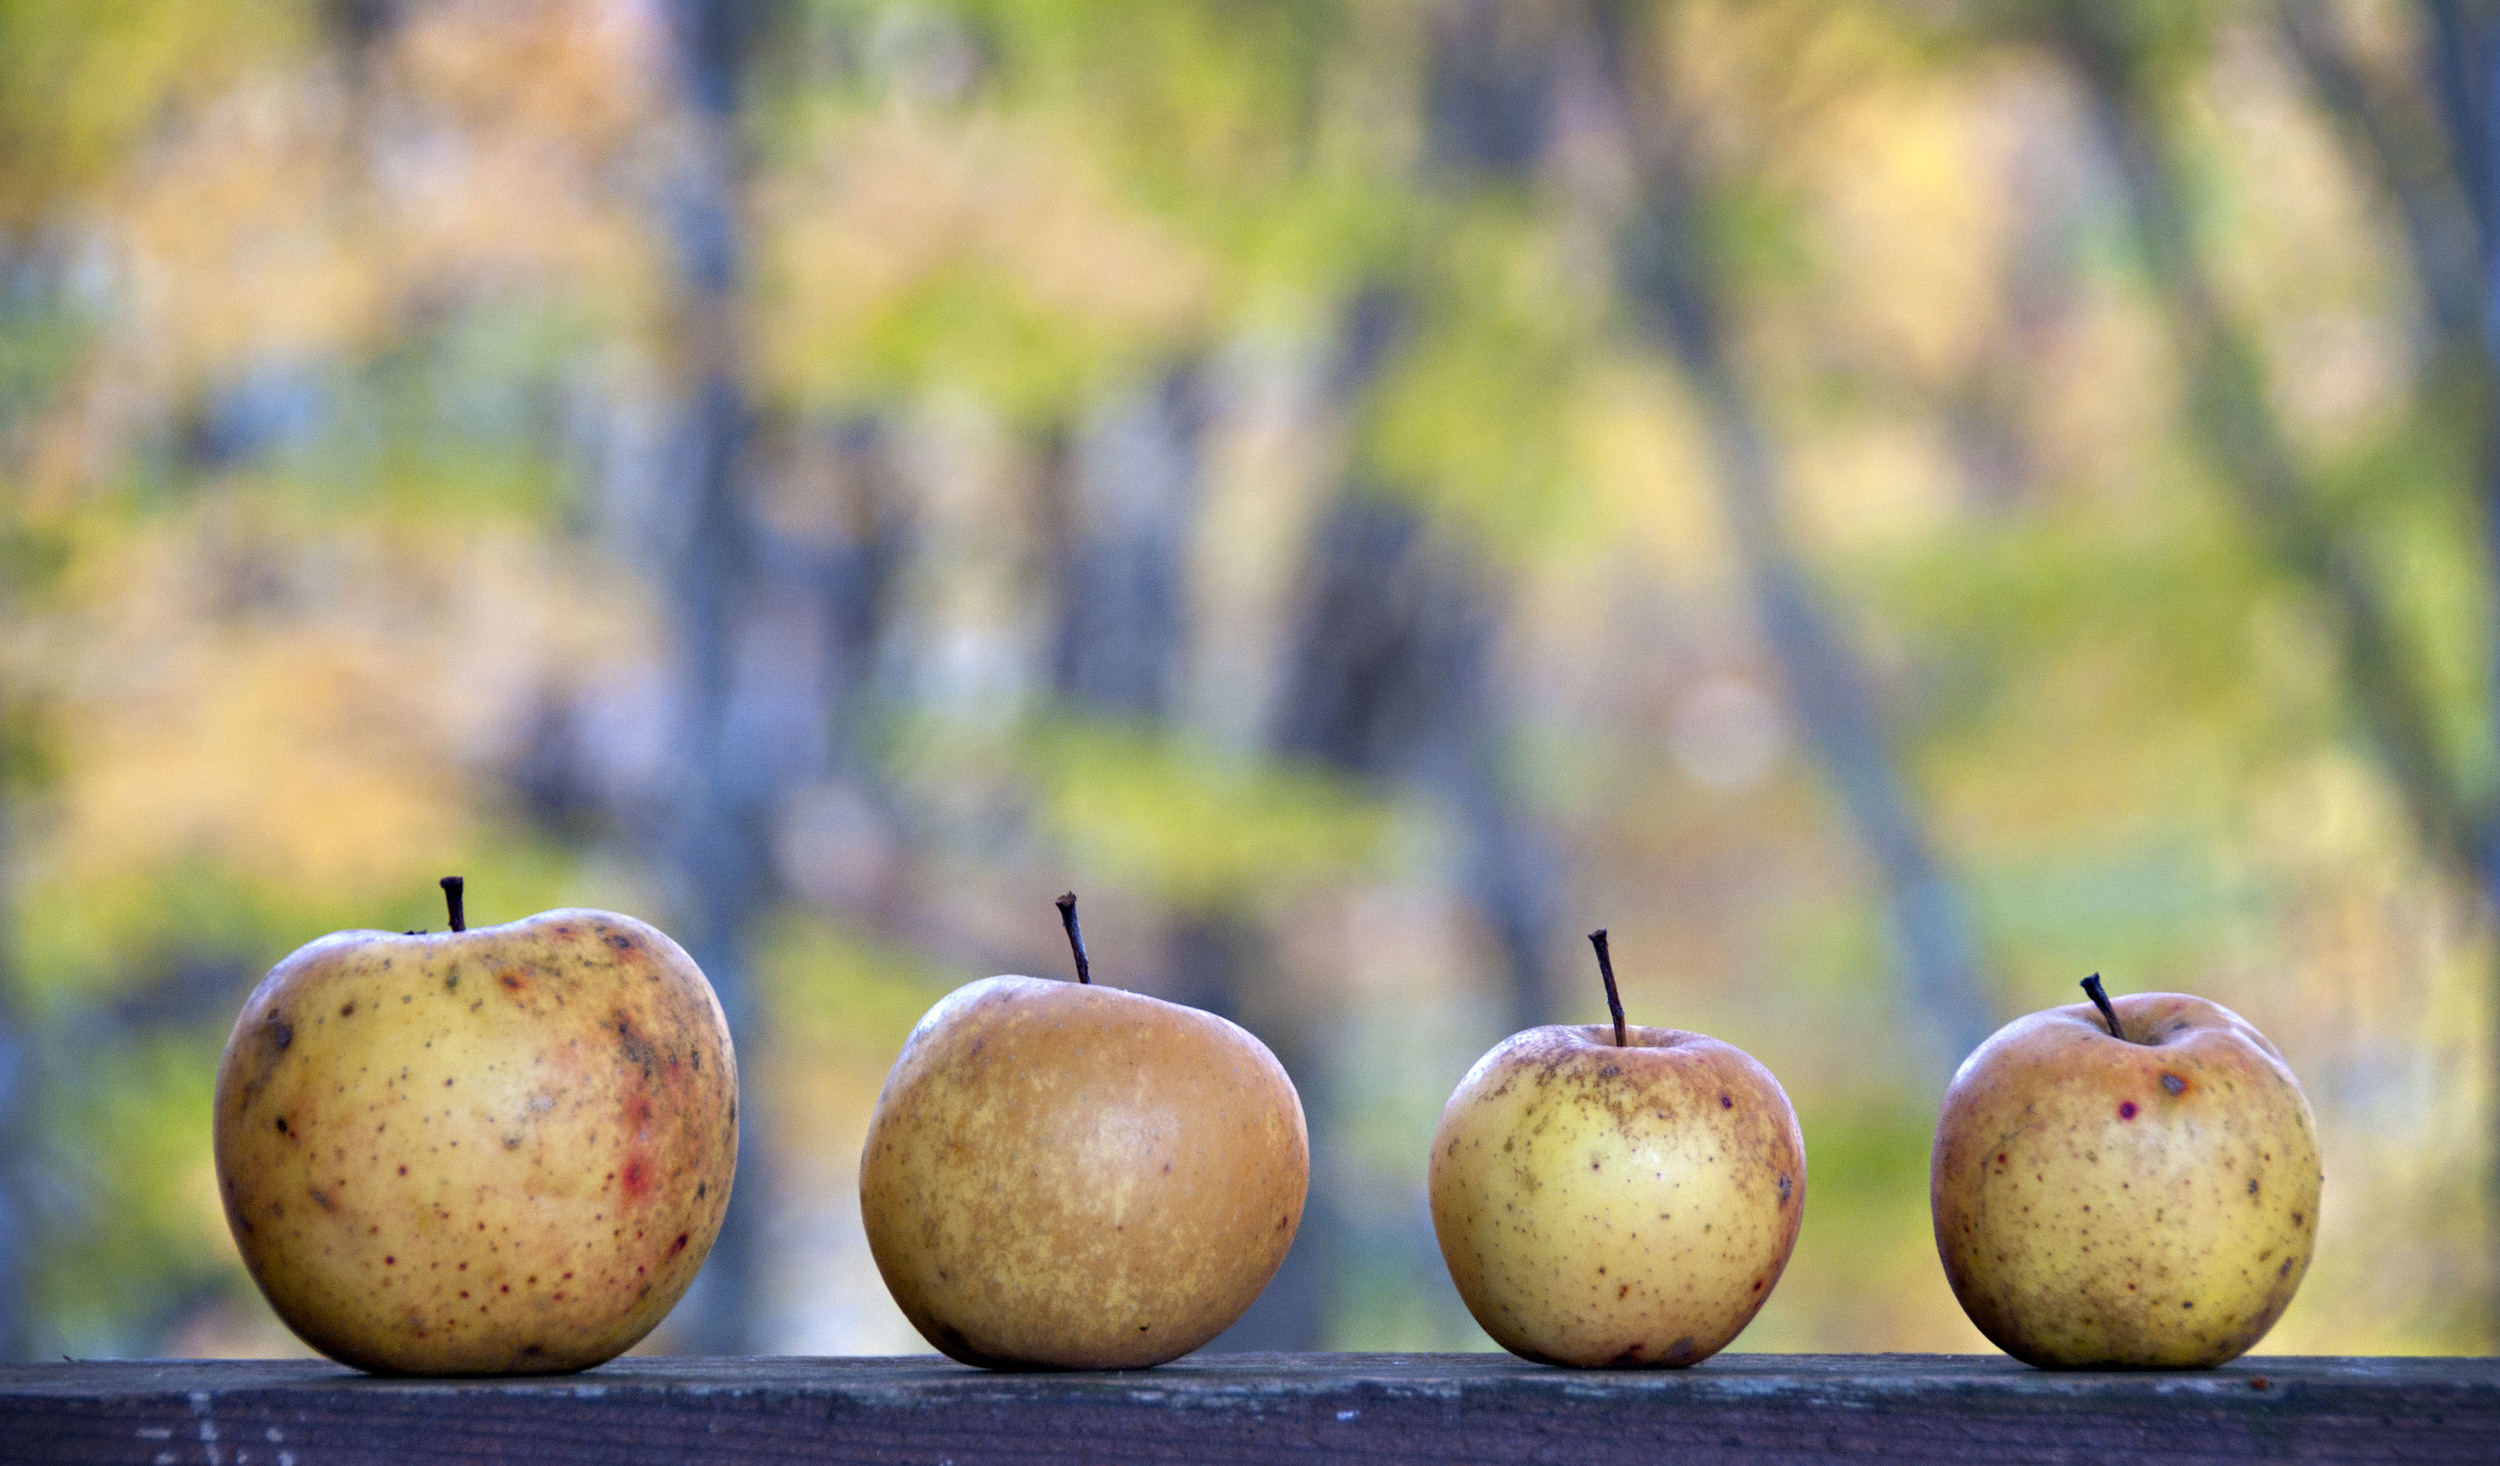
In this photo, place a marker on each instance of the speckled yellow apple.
(2132, 1187)
(1059, 1175)
(499, 1151)
(1618, 1196)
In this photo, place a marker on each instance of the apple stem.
(452, 886)
(2109, 1014)
(1076, 939)
(1606, 970)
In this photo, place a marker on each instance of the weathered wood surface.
(1380, 1409)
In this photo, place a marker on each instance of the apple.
(1623, 1198)
(1059, 1175)
(501, 1151)
(2128, 1185)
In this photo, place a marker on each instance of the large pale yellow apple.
(1618, 1196)
(1059, 1175)
(482, 1152)
(2134, 1187)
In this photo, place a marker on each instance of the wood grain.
(1380, 1409)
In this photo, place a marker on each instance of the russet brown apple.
(2126, 1184)
(1059, 1175)
(1624, 1197)
(500, 1151)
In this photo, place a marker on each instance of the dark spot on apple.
(2000, 1158)
(403, 1170)
(281, 1033)
(1784, 1188)
(2298, 1219)
(637, 1178)
(677, 1246)
(621, 942)
(322, 1199)
(348, 1008)
(282, 1125)
(532, 1350)
(700, 1188)
(638, 1049)
(1624, 1291)
(451, 984)
(2189, 1304)
(1681, 1349)
(1725, 1103)
(1631, 1355)
(2285, 1270)
(390, 1262)
(2126, 1110)
(1610, 1071)
(1283, 1222)
(511, 981)
(2174, 1084)
(2252, 1186)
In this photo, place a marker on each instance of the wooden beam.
(1379, 1409)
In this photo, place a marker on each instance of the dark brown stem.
(452, 886)
(2109, 1014)
(1076, 939)
(1606, 970)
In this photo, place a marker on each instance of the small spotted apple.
(2129, 1188)
(1623, 1198)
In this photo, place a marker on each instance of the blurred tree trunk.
(2436, 152)
(2466, 62)
(2236, 424)
(19, 1241)
(1128, 489)
(1491, 94)
(719, 849)
(2395, 135)
(1676, 285)
(1122, 493)
(1390, 676)
(1393, 680)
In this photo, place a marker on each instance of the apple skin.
(1616, 1207)
(500, 1151)
(1075, 1177)
(2145, 1203)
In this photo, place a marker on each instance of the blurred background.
(1889, 505)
